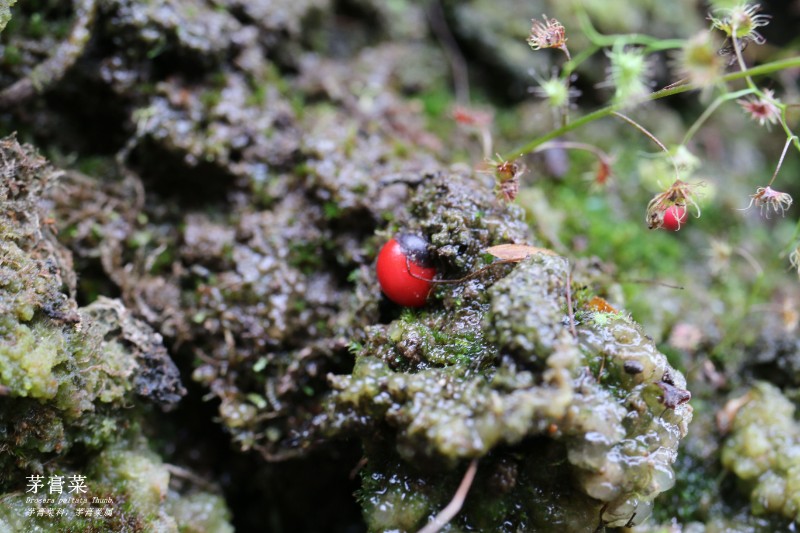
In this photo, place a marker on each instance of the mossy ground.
(219, 216)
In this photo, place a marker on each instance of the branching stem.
(760, 70)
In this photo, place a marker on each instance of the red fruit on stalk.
(674, 217)
(405, 271)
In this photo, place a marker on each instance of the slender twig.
(747, 256)
(651, 282)
(780, 161)
(356, 469)
(651, 137)
(682, 81)
(54, 67)
(453, 508)
(602, 523)
(188, 475)
(461, 279)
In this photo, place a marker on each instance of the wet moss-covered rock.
(603, 410)
(256, 176)
(126, 489)
(70, 386)
(763, 451)
(76, 381)
(5, 12)
(68, 371)
(523, 329)
(259, 294)
(191, 29)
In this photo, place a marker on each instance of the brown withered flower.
(548, 34)
(680, 194)
(768, 199)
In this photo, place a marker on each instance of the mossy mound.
(77, 382)
(763, 451)
(578, 412)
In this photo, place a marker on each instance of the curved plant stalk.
(767, 68)
(710, 110)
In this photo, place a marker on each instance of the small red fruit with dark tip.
(405, 270)
(674, 218)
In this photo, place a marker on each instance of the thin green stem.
(574, 63)
(569, 145)
(793, 240)
(790, 136)
(785, 125)
(753, 294)
(740, 59)
(710, 110)
(767, 68)
(652, 138)
(651, 44)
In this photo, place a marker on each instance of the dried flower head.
(506, 174)
(680, 194)
(794, 259)
(603, 171)
(763, 109)
(767, 198)
(550, 34)
(719, 256)
(741, 23)
(698, 61)
(471, 116)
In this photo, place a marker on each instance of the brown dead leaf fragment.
(726, 415)
(600, 305)
(516, 252)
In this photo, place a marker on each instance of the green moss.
(200, 512)
(613, 433)
(30, 359)
(530, 325)
(72, 379)
(393, 499)
(764, 453)
(610, 234)
(126, 489)
(137, 474)
(5, 12)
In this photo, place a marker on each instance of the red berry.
(399, 258)
(674, 218)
